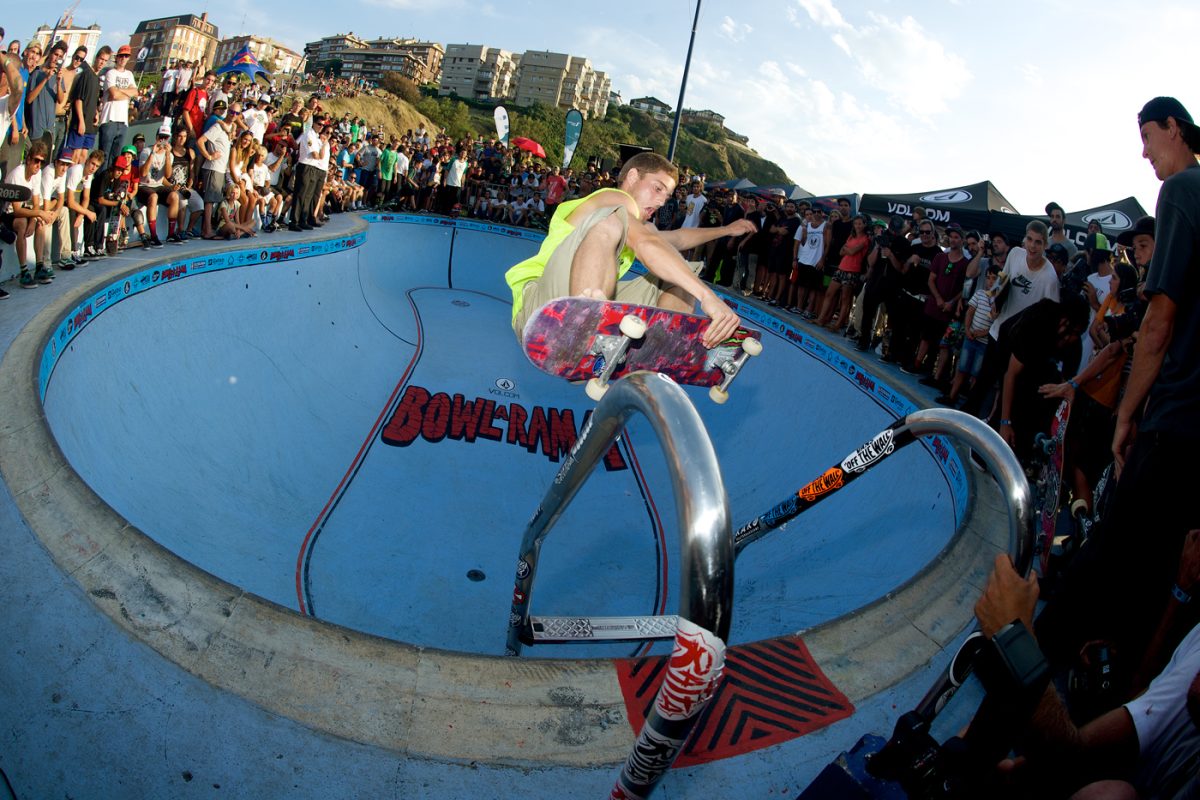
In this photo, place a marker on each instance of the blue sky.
(1040, 98)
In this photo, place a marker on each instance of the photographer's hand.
(1006, 597)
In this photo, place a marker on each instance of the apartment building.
(478, 72)
(88, 37)
(562, 81)
(369, 59)
(184, 37)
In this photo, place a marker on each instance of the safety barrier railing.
(706, 575)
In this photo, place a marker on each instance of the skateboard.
(1049, 449)
(600, 340)
(14, 193)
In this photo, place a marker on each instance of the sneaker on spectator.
(80, 261)
(3, 295)
(43, 274)
(929, 380)
(67, 265)
(175, 238)
(26, 280)
(908, 369)
(146, 245)
(155, 242)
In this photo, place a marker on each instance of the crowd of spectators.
(230, 160)
(1008, 328)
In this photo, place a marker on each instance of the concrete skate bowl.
(302, 472)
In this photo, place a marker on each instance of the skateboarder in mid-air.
(592, 241)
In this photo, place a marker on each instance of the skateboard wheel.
(595, 389)
(752, 346)
(717, 394)
(633, 326)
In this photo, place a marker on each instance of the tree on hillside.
(268, 65)
(402, 87)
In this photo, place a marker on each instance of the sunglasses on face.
(38, 160)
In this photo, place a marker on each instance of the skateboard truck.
(613, 353)
(749, 347)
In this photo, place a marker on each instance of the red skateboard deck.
(1049, 480)
(576, 337)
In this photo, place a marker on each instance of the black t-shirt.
(781, 244)
(86, 89)
(761, 244)
(1032, 337)
(916, 280)
(839, 232)
(884, 274)
(1174, 401)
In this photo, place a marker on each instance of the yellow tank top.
(532, 268)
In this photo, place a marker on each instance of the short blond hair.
(646, 163)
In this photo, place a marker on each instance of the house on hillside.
(653, 106)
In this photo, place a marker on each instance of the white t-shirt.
(813, 248)
(455, 171)
(1102, 284)
(184, 81)
(695, 204)
(256, 121)
(310, 150)
(1025, 286)
(274, 173)
(1168, 740)
(168, 80)
(259, 174)
(115, 110)
(402, 162)
(52, 185)
(158, 167)
(75, 181)
(17, 177)
(219, 140)
(5, 117)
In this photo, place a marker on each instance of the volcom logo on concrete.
(1110, 219)
(882, 445)
(955, 196)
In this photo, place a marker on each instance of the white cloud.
(912, 67)
(821, 12)
(734, 31)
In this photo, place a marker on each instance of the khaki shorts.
(555, 281)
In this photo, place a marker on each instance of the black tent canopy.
(970, 206)
(1114, 218)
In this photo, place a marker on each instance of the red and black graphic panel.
(772, 691)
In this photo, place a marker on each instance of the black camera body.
(1014, 672)
(1123, 325)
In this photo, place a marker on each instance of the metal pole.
(683, 85)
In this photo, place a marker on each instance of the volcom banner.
(574, 131)
(502, 125)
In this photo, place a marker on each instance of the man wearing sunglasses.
(117, 88)
(30, 219)
(81, 108)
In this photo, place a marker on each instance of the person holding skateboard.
(593, 241)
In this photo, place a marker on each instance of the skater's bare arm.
(665, 262)
(687, 238)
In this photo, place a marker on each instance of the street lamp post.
(683, 85)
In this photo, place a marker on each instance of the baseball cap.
(220, 104)
(1097, 241)
(124, 50)
(66, 158)
(1158, 109)
(1058, 251)
(129, 149)
(1144, 226)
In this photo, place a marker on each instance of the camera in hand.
(1123, 325)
